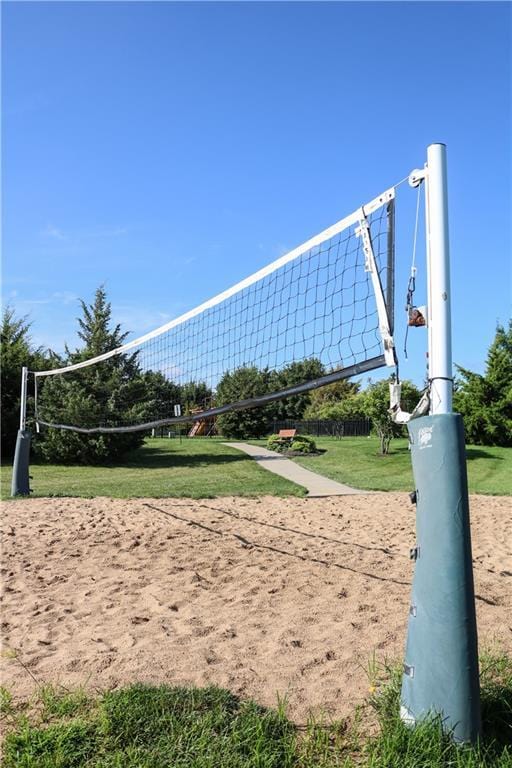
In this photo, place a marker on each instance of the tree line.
(118, 392)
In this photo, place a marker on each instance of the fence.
(325, 427)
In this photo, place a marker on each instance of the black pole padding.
(20, 470)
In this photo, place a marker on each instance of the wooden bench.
(286, 435)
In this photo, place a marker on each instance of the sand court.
(266, 596)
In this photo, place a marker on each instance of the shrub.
(298, 444)
(303, 444)
(279, 444)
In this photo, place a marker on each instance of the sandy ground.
(262, 596)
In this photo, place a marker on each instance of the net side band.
(240, 405)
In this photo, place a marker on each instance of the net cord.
(353, 218)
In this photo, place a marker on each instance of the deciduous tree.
(375, 405)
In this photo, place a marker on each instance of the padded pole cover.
(441, 657)
(20, 470)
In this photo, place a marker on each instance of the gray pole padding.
(20, 470)
(441, 658)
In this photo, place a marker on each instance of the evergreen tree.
(160, 396)
(485, 401)
(112, 393)
(16, 351)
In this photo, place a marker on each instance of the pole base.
(20, 472)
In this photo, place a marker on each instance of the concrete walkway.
(317, 485)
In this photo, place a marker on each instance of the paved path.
(317, 485)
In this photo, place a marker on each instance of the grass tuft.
(63, 745)
(496, 698)
(6, 702)
(58, 702)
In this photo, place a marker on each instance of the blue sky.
(168, 150)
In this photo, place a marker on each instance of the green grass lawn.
(194, 468)
(162, 727)
(204, 468)
(356, 461)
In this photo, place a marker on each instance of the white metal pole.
(439, 305)
(23, 401)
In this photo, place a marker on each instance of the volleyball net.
(326, 308)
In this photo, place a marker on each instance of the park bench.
(286, 435)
